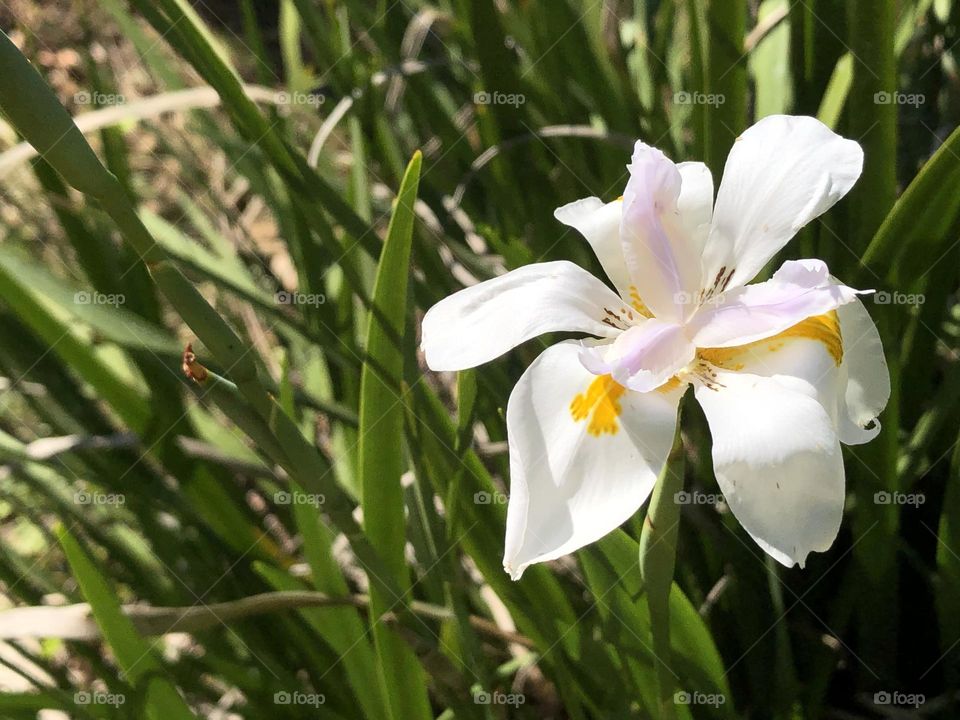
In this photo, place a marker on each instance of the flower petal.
(864, 372)
(663, 259)
(781, 173)
(805, 359)
(480, 323)
(798, 290)
(695, 203)
(778, 462)
(584, 455)
(836, 358)
(599, 223)
(644, 356)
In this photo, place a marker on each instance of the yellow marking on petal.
(725, 358)
(601, 403)
(825, 328)
(670, 385)
(637, 303)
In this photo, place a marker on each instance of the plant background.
(125, 483)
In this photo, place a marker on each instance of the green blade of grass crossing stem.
(381, 451)
(341, 628)
(133, 654)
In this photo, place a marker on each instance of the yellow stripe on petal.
(824, 328)
(670, 385)
(601, 404)
(637, 303)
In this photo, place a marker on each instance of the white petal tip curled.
(514, 573)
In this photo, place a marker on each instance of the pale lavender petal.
(798, 290)
(662, 257)
(643, 357)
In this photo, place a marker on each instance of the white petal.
(644, 356)
(864, 370)
(599, 223)
(695, 203)
(797, 360)
(569, 486)
(781, 173)
(778, 463)
(480, 323)
(805, 359)
(798, 290)
(663, 259)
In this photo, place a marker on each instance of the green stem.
(658, 554)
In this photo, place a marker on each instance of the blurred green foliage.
(315, 485)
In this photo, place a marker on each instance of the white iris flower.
(785, 370)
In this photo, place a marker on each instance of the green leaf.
(770, 64)
(836, 93)
(136, 658)
(727, 79)
(920, 223)
(873, 123)
(37, 114)
(78, 355)
(381, 449)
(102, 312)
(694, 653)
